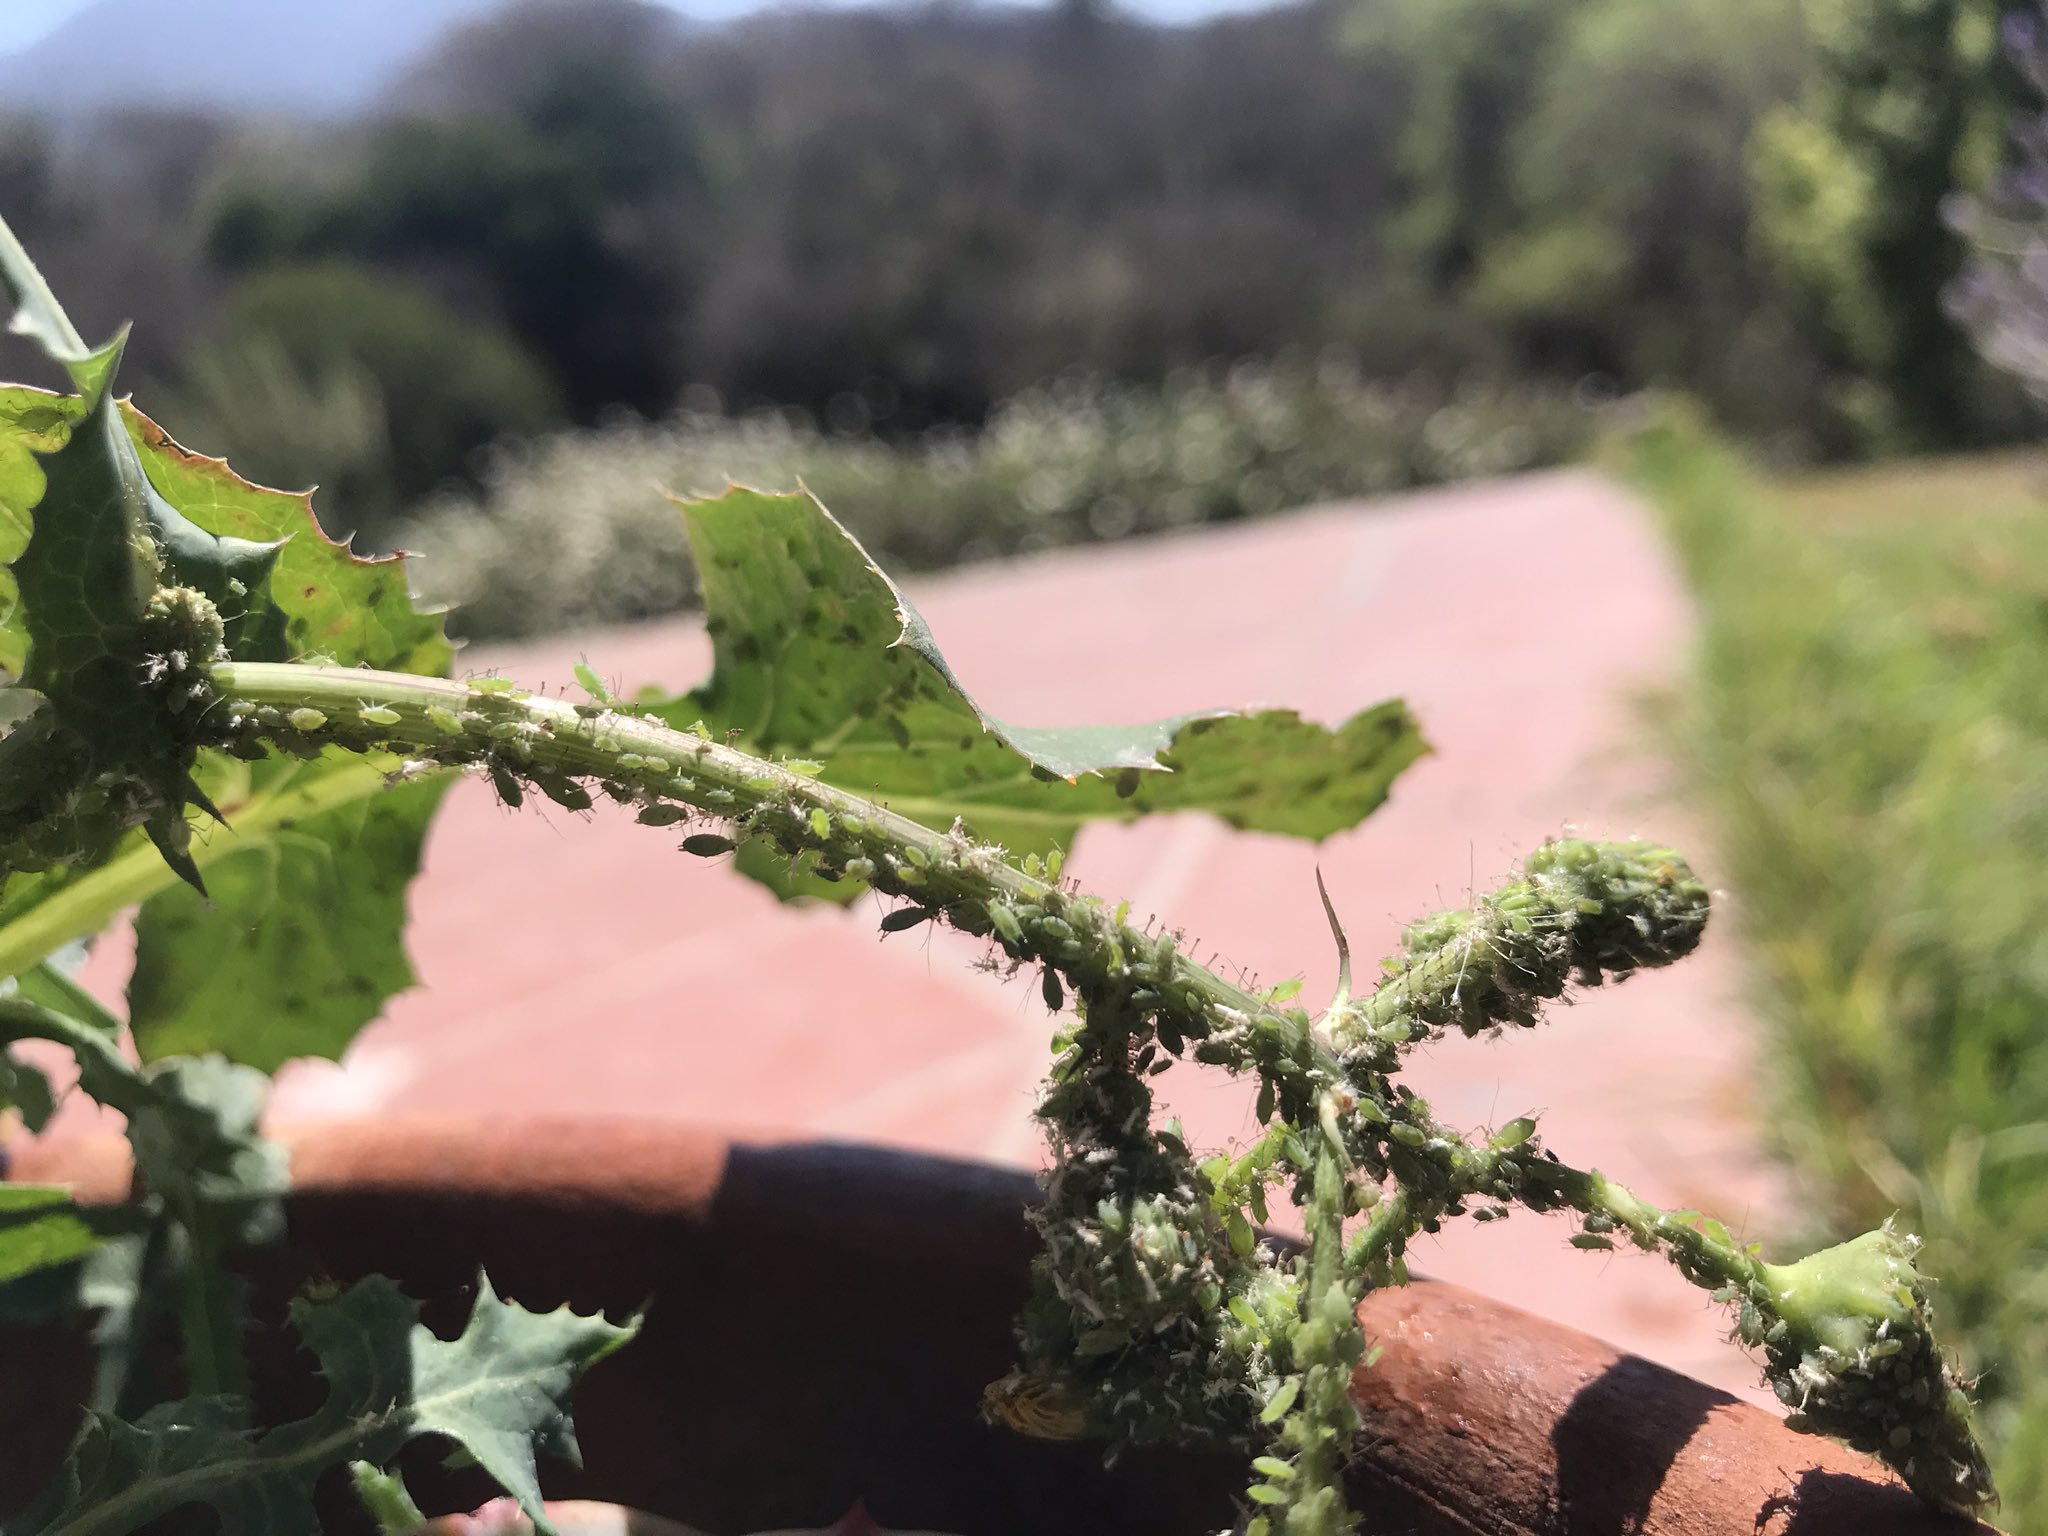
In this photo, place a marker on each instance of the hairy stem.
(1580, 913)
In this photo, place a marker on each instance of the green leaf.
(816, 652)
(26, 1090)
(84, 583)
(51, 985)
(200, 1127)
(101, 542)
(41, 1228)
(300, 939)
(104, 1074)
(333, 604)
(95, 509)
(36, 314)
(301, 593)
(32, 422)
(200, 1153)
(266, 803)
(500, 1391)
(120, 509)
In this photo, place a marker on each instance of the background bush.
(373, 383)
(573, 530)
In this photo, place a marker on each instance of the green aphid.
(1512, 1135)
(306, 718)
(1004, 919)
(1282, 1400)
(588, 680)
(446, 721)
(378, 714)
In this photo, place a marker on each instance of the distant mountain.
(307, 57)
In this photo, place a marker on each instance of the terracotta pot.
(823, 1320)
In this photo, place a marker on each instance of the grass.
(1869, 723)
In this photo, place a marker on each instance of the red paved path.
(580, 964)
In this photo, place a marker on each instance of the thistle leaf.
(500, 1391)
(301, 937)
(817, 653)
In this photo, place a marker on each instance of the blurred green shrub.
(368, 385)
(1906, 104)
(574, 531)
(1867, 719)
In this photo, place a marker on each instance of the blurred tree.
(571, 185)
(365, 384)
(1907, 103)
(1638, 265)
(962, 202)
(1475, 68)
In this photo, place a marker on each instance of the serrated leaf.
(104, 1074)
(817, 652)
(500, 1391)
(121, 508)
(101, 542)
(110, 500)
(300, 939)
(349, 609)
(306, 594)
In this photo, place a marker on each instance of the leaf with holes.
(300, 939)
(818, 653)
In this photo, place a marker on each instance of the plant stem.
(524, 738)
(658, 764)
(640, 759)
(1700, 1247)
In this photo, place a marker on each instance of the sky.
(24, 21)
